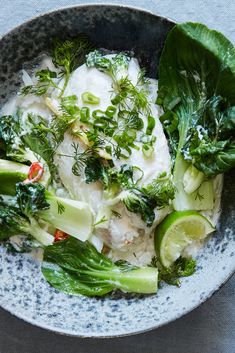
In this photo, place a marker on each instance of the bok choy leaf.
(76, 267)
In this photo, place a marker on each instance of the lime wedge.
(177, 231)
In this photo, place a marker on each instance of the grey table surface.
(209, 328)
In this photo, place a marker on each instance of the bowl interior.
(23, 291)
(111, 27)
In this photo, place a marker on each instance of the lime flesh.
(177, 231)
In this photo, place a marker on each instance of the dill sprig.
(60, 207)
(102, 220)
(130, 99)
(69, 54)
(45, 79)
(80, 158)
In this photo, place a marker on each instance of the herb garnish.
(68, 55)
(61, 207)
(181, 268)
(46, 79)
(131, 101)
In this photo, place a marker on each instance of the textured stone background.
(209, 328)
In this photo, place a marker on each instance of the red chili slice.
(60, 235)
(36, 171)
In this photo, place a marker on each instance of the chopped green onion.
(151, 125)
(147, 150)
(84, 114)
(135, 147)
(110, 111)
(97, 114)
(89, 98)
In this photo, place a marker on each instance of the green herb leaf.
(14, 222)
(138, 202)
(182, 268)
(46, 79)
(161, 189)
(11, 138)
(31, 198)
(70, 54)
(93, 169)
(111, 66)
(61, 207)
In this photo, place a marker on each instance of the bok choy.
(71, 216)
(76, 267)
(196, 91)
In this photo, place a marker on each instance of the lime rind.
(177, 231)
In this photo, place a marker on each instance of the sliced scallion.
(151, 125)
(90, 98)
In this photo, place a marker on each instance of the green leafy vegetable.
(144, 200)
(75, 267)
(11, 137)
(27, 141)
(197, 83)
(211, 145)
(31, 198)
(72, 217)
(10, 174)
(111, 66)
(196, 90)
(93, 169)
(13, 222)
(138, 202)
(133, 121)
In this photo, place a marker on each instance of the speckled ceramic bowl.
(23, 290)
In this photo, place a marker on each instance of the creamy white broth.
(118, 233)
(129, 237)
